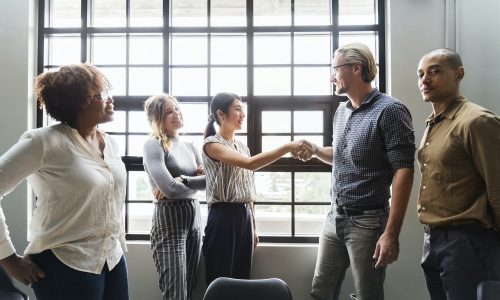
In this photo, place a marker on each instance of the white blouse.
(80, 197)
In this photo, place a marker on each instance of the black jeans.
(64, 283)
(456, 258)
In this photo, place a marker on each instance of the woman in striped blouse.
(230, 235)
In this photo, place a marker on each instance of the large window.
(276, 54)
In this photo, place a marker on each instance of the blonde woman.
(175, 170)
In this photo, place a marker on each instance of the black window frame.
(256, 104)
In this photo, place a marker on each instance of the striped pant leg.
(168, 241)
(193, 250)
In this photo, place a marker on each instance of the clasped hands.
(304, 150)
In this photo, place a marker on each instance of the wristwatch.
(185, 179)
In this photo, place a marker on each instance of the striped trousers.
(176, 245)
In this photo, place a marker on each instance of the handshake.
(303, 150)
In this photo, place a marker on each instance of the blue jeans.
(349, 241)
(64, 283)
(456, 258)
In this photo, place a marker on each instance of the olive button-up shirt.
(459, 158)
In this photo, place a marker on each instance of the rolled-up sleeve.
(399, 136)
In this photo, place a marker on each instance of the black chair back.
(224, 288)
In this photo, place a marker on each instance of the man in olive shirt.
(459, 202)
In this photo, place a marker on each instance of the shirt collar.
(448, 113)
(370, 98)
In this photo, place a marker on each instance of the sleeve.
(484, 141)
(21, 160)
(398, 134)
(154, 161)
(196, 182)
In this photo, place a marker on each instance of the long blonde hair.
(154, 107)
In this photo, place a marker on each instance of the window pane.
(145, 13)
(312, 48)
(183, 82)
(272, 49)
(116, 77)
(242, 138)
(274, 141)
(359, 12)
(146, 49)
(309, 12)
(307, 121)
(195, 116)
(273, 186)
(62, 50)
(189, 49)
(228, 79)
(117, 125)
(309, 219)
(189, 13)
(138, 186)
(272, 81)
(312, 81)
(139, 217)
(276, 121)
(108, 13)
(138, 122)
(368, 38)
(135, 144)
(65, 13)
(273, 219)
(100, 49)
(228, 49)
(120, 141)
(225, 13)
(146, 81)
(312, 187)
(272, 12)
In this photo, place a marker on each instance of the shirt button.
(427, 144)
(423, 207)
(424, 187)
(425, 165)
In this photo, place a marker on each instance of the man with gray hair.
(373, 147)
(459, 201)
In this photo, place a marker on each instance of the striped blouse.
(227, 183)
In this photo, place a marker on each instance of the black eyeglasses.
(334, 69)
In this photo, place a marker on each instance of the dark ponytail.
(220, 101)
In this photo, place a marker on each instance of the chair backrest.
(8, 289)
(224, 288)
(488, 290)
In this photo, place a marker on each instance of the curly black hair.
(65, 92)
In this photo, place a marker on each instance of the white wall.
(414, 27)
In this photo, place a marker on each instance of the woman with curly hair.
(77, 242)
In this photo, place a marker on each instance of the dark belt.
(359, 210)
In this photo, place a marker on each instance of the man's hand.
(22, 268)
(386, 250)
(306, 151)
(200, 170)
(158, 194)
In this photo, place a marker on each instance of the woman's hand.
(200, 170)
(22, 268)
(158, 194)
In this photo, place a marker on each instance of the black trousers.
(457, 258)
(228, 241)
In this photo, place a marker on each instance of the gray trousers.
(176, 245)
